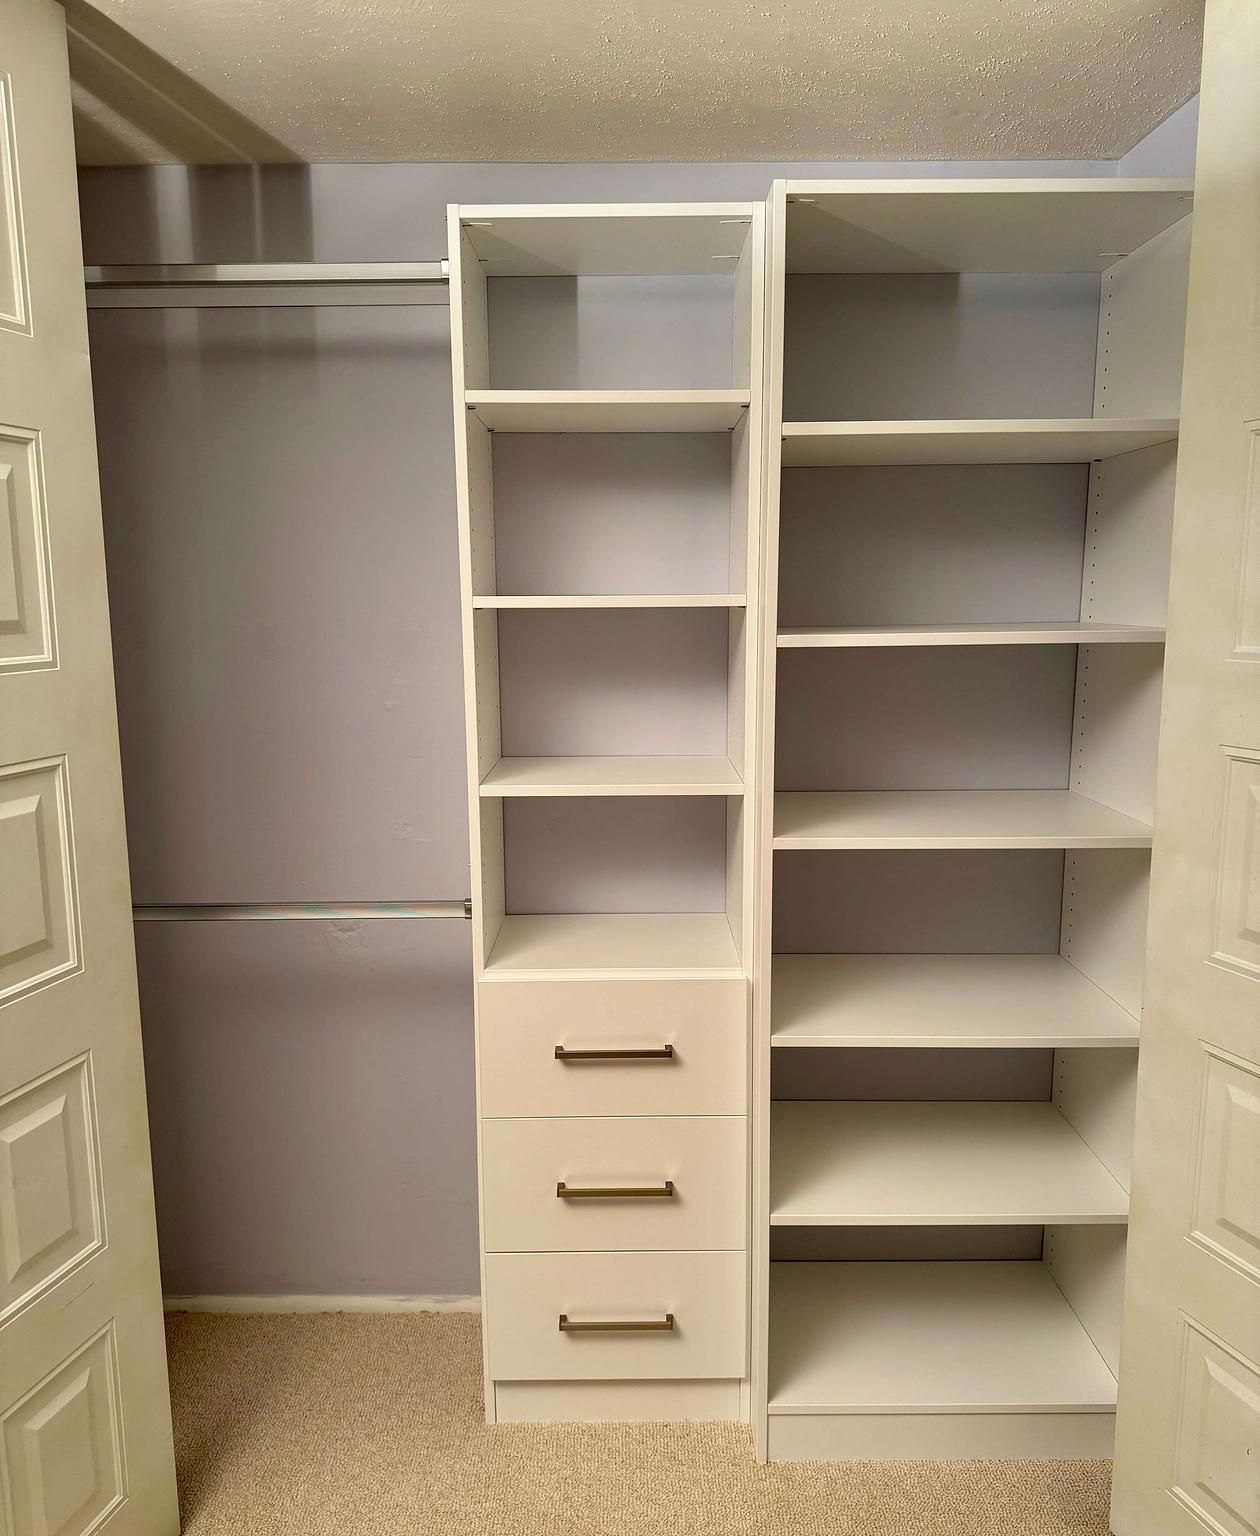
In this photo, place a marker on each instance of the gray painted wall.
(278, 498)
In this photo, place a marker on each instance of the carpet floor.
(370, 1425)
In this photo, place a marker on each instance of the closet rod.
(296, 911)
(266, 283)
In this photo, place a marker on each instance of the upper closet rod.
(296, 911)
(266, 283)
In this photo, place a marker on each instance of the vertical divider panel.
(1103, 927)
(1128, 537)
(1138, 368)
(760, 807)
(1115, 726)
(1094, 1091)
(1087, 1264)
(744, 703)
(470, 369)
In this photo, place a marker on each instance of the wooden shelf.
(1004, 225)
(608, 410)
(934, 1164)
(815, 443)
(913, 1338)
(612, 776)
(620, 600)
(1068, 633)
(987, 1001)
(613, 944)
(608, 239)
(957, 818)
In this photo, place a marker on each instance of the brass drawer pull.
(662, 1191)
(626, 1325)
(653, 1053)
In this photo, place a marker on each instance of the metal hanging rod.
(255, 284)
(297, 911)
(254, 273)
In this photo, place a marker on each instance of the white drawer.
(705, 1294)
(698, 1167)
(705, 1023)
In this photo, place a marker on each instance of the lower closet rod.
(296, 911)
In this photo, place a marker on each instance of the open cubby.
(615, 514)
(659, 854)
(595, 332)
(611, 683)
(974, 447)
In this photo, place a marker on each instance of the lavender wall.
(280, 532)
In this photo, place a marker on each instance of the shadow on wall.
(132, 106)
(124, 93)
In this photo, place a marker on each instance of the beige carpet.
(371, 1426)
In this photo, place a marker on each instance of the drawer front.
(695, 1169)
(527, 1294)
(522, 1023)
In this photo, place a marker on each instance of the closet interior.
(973, 398)
(609, 443)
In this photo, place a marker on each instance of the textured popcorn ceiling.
(585, 80)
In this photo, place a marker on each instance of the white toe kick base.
(599, 1402)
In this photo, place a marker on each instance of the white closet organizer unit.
(608, 376)
(972, 393)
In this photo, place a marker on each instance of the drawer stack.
(610, 539)
(614, 1180)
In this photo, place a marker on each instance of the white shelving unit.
(973, 398)
(608, 378)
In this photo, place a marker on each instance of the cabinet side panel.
(1087, 1264)
(1115, 729)
(1141, 328)
(1103, 931)
(1128, 537)
(1095, 1092)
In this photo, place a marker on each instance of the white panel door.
(1188, 1441)
(85, 1432)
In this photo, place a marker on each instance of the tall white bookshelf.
(608, 386)
(973, 390)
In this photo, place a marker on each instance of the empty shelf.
(1068, 633)
(968, 442)
(997, 226)
(612, 776)
(608, 410)
(608, 240)
(913, 1338)
(934, 1164)
(953, 818)
(602, 944)
(995, 1001)
(620, 600)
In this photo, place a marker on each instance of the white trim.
(245, 1304)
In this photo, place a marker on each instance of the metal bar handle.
(652, 1053)
(662, 1191)
(620, 1325)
